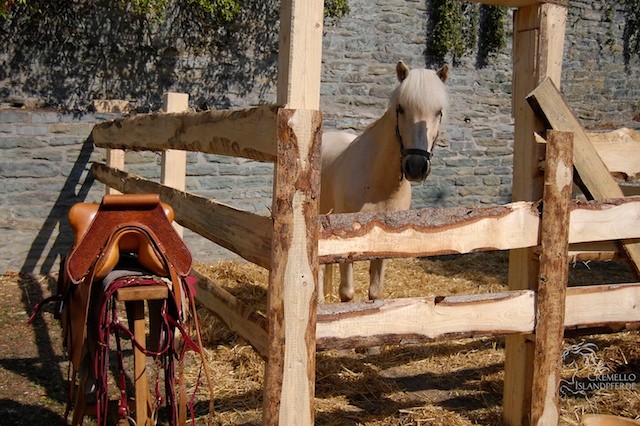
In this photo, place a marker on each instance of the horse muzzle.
(416, 166)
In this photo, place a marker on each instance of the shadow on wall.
(68, 53)
(46, 249)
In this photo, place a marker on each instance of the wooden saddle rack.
(126, 241)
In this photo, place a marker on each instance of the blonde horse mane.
(410, 93)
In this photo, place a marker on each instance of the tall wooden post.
(554, 276)
(292, 301)
(174, 162)
(115, 159)
(538, 41)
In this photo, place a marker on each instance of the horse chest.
(369, 197)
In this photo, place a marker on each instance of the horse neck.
(382, 148)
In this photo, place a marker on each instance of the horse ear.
(402, 71)
(443, 73)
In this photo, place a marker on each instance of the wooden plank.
(251, 325)
(248, 133)
(412, 320)
(456, 230)
(173, 169)
(426, 232)
(538, 40)
(619, 150)
(423, 319)
(244, 233)
(135, 315)
(602, 251)
(142, 292)
(594, 177)
(550, 106)
(300, 54)
(591, 306)
(290, 370)
(554, 277)
(115, 159)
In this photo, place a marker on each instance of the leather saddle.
(132, 225)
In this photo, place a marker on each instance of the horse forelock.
(422, 90)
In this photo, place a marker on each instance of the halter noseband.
(407, 151)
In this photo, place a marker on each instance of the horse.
(373, 172)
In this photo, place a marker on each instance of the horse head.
(420, 101)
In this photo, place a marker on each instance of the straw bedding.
(456, 382)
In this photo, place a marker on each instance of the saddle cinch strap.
(132, 224)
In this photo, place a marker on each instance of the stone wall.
(45, 153)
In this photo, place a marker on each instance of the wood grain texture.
(594, 177)
(364, 324)
(246, 234)
(115, 159)
(423, 319)
(553, 280)
(428, 232)
(173, 167)
(538, 40)
(619, 150)
(300, 54)
(248, 133)
(292, 300)
(251, 325)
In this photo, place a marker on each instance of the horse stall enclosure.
(538, 229)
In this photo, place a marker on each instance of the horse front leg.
(325, 282)
(376, 287)
(347, 290)
(376, 278)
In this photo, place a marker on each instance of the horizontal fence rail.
(250, 133)
(457, 230)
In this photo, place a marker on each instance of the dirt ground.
(442, 383)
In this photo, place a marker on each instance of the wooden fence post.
(554, 276)
(292, 301)
(174, 162)
(115, 159)
(538, 40)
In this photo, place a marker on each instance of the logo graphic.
(600, 375)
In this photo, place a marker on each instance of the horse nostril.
(426, 168)
(416, 167)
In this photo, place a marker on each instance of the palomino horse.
(373, 171)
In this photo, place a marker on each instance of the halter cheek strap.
(407, 151)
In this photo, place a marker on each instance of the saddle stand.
(126, 249)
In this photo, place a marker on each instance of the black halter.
(407, 151)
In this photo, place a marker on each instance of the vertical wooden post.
(554, 276)
(135, 313)
(115, 159)
(292, 301)
(174, 162)
(538, 43)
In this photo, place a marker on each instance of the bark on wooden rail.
(414, 320)
(433, 231)
(249, 133)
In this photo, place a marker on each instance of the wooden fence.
(291, 243)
